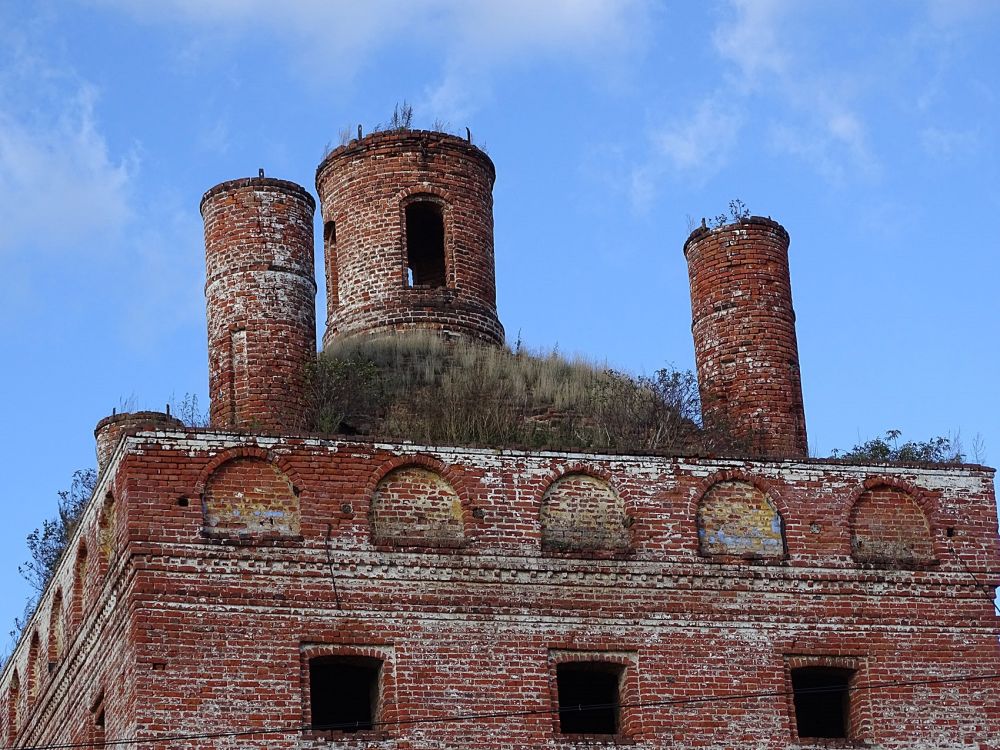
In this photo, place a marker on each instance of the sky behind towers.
(869, 130)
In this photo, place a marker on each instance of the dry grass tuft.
(419, 387)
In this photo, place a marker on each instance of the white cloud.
(57, 176)
(751, 37)
(813, 107)
(703, 142)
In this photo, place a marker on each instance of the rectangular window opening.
(425, 244)
(589, 697)
(344, 693)
(822, 701)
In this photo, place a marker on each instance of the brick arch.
(247, 451)
(57, 629)
(738, 515)
(890, 525)
(415, 502)
(80, 569)
(250, 495)
(454, 474)
(771, 488)
(927, 502)
(107, 529)
(13, 706)
(416, 192)
(579, 510)
(36, 667)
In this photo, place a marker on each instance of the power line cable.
(988, 589)
(458, 718)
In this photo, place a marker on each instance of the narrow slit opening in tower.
(425, 244)
(822, 701)
(330, 251)
(344, 692)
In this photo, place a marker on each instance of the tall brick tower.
(260, 291)
(744, 335)
(408, 236)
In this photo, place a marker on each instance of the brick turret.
(260, 291)
(109, 430)
(408, 236)
(744, 335)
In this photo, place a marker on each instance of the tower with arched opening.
(408, 237)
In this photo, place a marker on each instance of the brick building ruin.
(250, 585)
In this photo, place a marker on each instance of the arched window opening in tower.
(425, 244)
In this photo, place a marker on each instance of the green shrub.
(937, 450)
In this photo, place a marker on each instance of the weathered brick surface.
(364, 188)
(581, 512)
(744, 335)
(250, 497)
(416, 506)
(183, 630)
(889, 527)
(110, 430)
(737, 518)
(261, 301)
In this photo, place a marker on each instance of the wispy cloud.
(702, 142)
(947, 144)
(750, 36)
(57, 174)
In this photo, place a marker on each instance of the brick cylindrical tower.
(109, 430)
(408, 236)
(260, 292)
(744, 335)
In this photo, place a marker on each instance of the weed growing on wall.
(937, 450)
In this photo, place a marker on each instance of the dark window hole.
(344, 692)
(589, 697)
(425, 244)
(822, 701)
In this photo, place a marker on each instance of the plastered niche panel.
(581, 512)
(889, 528)
(737, 518)
(417, 507)
(250, 496)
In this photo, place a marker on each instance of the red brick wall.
(416, 506)
(736, 518)
(744, 335)
(888, 527)
(261, 299)
(110, 430)
(213, 632)
(250, 497)
(364, 188)
(581, 512)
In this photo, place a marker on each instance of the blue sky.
(870, 130)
